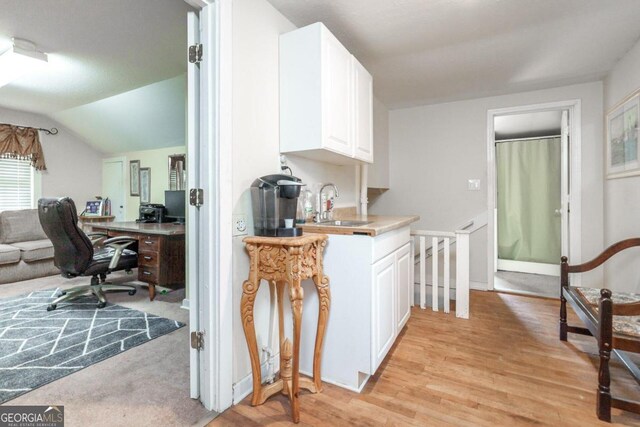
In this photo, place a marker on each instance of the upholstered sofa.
(25, 251)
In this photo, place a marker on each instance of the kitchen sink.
(345, 223)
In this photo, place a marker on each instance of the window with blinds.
(16, 184)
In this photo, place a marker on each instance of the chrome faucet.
(322, 211)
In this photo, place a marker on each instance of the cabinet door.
(363, 110)
(383, 312)
(337, 92)
(404, 285)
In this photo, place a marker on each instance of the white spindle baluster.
(434, 274)
(423, 273)
(446, 275)
(462, 274)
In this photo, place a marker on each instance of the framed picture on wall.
(145, 185)
(622, 138)
(134, 177)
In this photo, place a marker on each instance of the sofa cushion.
(35, 250)
(9, 254)
(20, 226)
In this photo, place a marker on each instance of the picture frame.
(145, 185)
(622, 156)
(134, 178)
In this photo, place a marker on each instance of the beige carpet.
(145, 386)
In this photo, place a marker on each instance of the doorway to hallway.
(533, 183)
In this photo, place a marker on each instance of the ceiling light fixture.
(21, 59)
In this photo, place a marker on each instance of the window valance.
(17, 142)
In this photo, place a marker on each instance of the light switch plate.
(473, 184)
(239, 225)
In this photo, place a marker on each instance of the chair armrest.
(120, 239)
(96, 237)
(119, 243)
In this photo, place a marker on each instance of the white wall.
(74, 168)
(256, 28)
(158, 161)
(434, 149)
(379, 170)
(622, 195)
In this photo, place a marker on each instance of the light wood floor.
(504, 366)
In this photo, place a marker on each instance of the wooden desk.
(161, 251)
(88, 220)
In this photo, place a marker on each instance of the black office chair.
(75, 254)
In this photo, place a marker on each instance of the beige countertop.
(378, 225)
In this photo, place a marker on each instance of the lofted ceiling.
(429, 51)
(97, 50)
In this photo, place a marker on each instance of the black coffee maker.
(275, 202)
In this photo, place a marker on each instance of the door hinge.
(195, 53)
(196, 197)
(197, 340)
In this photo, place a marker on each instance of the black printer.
(151, 212)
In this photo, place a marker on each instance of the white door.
(193, 213)
(209, 231)
(363, 103)
(113, 172)
(403, 285)
(338, 89)
(383, 310)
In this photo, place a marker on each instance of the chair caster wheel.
(101, 305)
(132, 291)
(51, 307)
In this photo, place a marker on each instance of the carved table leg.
(249, 290)
(324, 301)
(280, 297)
(296, 295)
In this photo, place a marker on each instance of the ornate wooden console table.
(280, 261)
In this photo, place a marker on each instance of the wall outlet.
(473, 184)
(239, 225)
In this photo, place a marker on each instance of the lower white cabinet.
(383, 319)
(391, 301)
(370, 283)
(404, 270)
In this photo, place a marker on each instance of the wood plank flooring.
(504, 366)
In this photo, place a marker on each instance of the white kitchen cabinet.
(363, 109)
(370, 304)
(404, 286)
(326, 99)
(383, 311)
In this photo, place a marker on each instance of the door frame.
(215, 280)
(125, 189)
(574, 106)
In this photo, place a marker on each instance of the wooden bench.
(608, 317)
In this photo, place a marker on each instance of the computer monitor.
(174, 204)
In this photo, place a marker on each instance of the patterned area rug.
(38, 346)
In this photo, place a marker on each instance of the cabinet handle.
(148, 242)
(146, 273)
(147, 257)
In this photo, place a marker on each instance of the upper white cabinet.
(325, 98)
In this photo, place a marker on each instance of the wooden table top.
(286, 241)
(164, 229)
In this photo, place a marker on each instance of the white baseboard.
(185, 304)
(244, 387)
